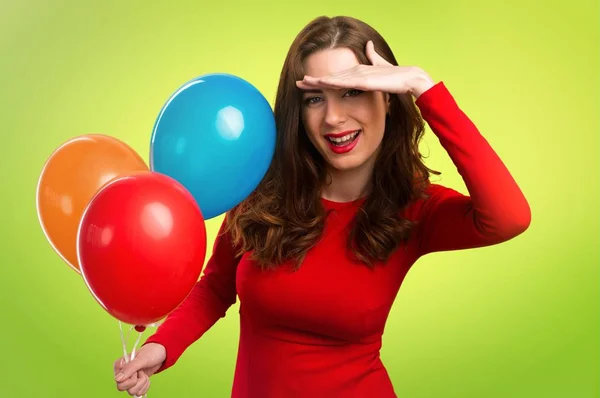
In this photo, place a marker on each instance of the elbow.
(516, 224)
(520, 225)
(523, 218)
(526, 217)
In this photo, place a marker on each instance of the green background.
(514, 320)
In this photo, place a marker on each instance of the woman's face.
(345, 125)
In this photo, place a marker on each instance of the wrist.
(420, 82)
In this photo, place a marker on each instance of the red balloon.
(141, 245)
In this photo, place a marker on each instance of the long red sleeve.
(317, 332)
(209, 300)
(495, 210)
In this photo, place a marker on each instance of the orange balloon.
(69, 180)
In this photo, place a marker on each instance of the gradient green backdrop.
(515, 320)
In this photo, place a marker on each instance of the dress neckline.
(333, 205)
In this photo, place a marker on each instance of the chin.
(349, 163)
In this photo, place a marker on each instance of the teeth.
(344, 139)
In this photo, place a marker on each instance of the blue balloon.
(216, 136)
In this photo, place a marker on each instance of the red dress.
(317, 332)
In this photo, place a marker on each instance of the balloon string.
(124, 343)
(136, 344)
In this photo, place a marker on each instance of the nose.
(335, 114)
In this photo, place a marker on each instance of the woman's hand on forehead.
(379, 76)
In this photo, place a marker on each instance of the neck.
(348, 185)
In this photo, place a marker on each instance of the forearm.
(196, 315)
(499, 205)
(208, 301)
(495, 210)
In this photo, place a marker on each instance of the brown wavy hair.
(284, 217)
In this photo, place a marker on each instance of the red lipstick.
(344, 146)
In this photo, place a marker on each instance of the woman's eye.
(311, 100)
(354, 92)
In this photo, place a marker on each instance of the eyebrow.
(312, 91)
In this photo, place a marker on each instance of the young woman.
(318, 252)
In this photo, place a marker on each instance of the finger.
(312, 86)
(335, 86)
(130, 369)
(339, 81)
(332, 82)
(127, 383)
(141, 382)
(145, 386)
(304, 86)
(118, 365)
(359, 83)
(311, 80)
(346, 74)
(373, 56)
(144, 389)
